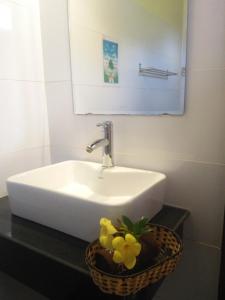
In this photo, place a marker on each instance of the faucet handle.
(104, 124)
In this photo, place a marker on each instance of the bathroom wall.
(190, 149)
(23, 112)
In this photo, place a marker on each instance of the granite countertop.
(59, 246)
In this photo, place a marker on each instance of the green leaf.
(123, 227)
(143, 222)
(137, 228)
(129, 224)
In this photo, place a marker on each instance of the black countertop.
(56, 246)
(62, 247)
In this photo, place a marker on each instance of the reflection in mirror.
(129, 56)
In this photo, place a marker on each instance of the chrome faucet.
(106, 143)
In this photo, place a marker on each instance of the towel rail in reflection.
(157, 73)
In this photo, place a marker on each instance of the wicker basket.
(123, 285)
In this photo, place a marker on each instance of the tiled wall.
(190, 149)
(23, 113)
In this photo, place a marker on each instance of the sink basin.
(72, 196)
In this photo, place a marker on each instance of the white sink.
(72, 196)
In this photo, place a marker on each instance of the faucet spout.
(96, 144)
(105, 143)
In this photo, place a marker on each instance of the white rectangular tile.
(23, 114)
(21, 161)
(63, 128)
(55, 40)
(200, 188)
(206, 43)
(20, 51)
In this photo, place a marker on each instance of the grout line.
(58, 81)
(25, 149)
(200, 162)
(202, 244)
(208, 245)
(22, 80)
(190, 69)
(134, 155)
(177, 159)
(70, 55)
(34, 81)
(124, 87)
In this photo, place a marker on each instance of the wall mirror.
(128, 56)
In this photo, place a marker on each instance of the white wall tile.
(201, 188)
(55, 39)
(24, 121)
(21, 161)
(65, 129)
(20, 51)
(206, 45)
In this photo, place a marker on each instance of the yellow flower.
(106, 233)
(126, 250)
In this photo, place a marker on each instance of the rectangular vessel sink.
(72, 196)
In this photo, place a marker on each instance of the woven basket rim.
(144, 270)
